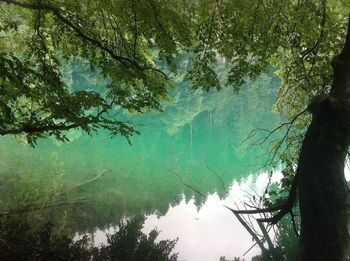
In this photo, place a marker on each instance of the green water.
(195, 143)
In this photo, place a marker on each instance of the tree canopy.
(132, 45)
(123, 40)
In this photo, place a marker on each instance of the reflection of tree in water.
(44, 238)
(49, 227)
(35, 223)
(149, 176)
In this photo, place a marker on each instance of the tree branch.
(125, 61)
(250, 231)
(99, 175)
(34, 129)
(283, 208)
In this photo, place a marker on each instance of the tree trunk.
(322, 186)
(323, 191)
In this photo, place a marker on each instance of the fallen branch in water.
(99, 175)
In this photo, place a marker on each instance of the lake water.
(186, 164)
(208, 232)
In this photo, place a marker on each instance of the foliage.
(19, 241)
(38, 37)
(122, 40)
(35, 221)
(38, 232)
(286, 247)
(129, 244)
(297, 38)
(30, 229)
(133, 45)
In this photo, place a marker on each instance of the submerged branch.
(99, 175)
(192, 188)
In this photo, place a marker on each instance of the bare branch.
(283, 208)
(257, 210)
(266, 235)
(99, 175)
(182, 179)
(250, 231)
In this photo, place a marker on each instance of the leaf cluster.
(119, 39)
(129, 244)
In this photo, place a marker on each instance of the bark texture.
(323, 190)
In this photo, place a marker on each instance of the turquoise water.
(193, 149)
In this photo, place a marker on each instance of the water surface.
(186, 157)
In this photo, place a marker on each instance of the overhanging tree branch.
(125, 61)
(34, 129)
(283, 208)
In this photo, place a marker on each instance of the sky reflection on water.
(208, 232)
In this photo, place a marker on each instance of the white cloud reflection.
(212, 231)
